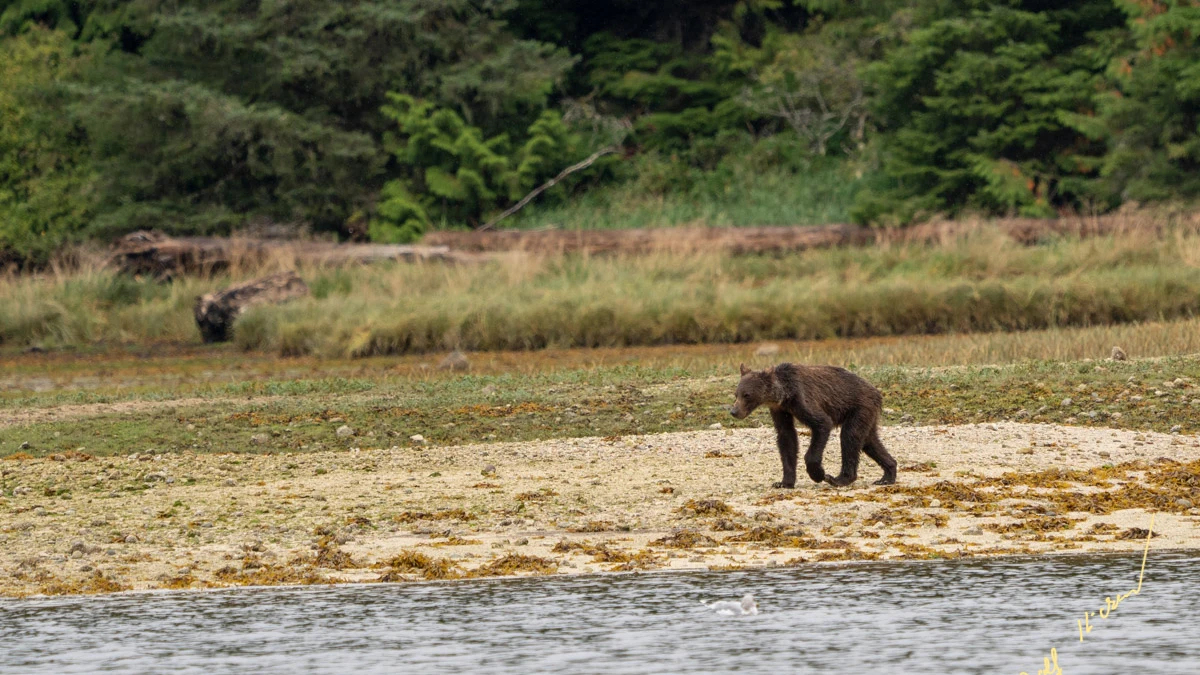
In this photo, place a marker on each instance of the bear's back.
(835, 390)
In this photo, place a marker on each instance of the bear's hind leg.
(855, 432)
(875, 450)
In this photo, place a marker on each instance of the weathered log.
(161, 256)
(780, 239)
(216, 312)
(733, 240)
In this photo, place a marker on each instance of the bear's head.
(757, 387)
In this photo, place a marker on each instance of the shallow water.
(986, 616)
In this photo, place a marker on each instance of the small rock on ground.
(767, 350)
(455, 360)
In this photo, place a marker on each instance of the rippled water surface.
(990, 616)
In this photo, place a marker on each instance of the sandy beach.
(78, 524)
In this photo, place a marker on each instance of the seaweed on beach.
(95, 583)
(1032, 525)
(514, 563)
(772, 536)
(923, 552)
(407, 563)
(685, 539)
(564, 546)
(632, 562)
(775, 497)
(705, 507)
(539, 495)
(593, 526)
(272, 575)
(844, 551)
(903, 517)
(406, 517)
(945, 491)
(1138, 533)
(328, 555)
(454, 540)
(600, 553)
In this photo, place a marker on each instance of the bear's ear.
(744, 369)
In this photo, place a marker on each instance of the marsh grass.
(980, 282)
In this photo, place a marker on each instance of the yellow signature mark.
(1050, 663)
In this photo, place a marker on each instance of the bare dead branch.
(547, 185)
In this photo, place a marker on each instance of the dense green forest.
(382, 119)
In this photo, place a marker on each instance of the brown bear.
(821, 397)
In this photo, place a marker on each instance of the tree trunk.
(216, 312)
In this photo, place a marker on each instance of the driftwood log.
(156, 254)
(734, 240)
(780, 239)
(216, 312)
(162, 256)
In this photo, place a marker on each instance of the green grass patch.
(759, 189)
(615, 401)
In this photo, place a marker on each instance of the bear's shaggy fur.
(821, 397)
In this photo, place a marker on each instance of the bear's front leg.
(789, 446)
